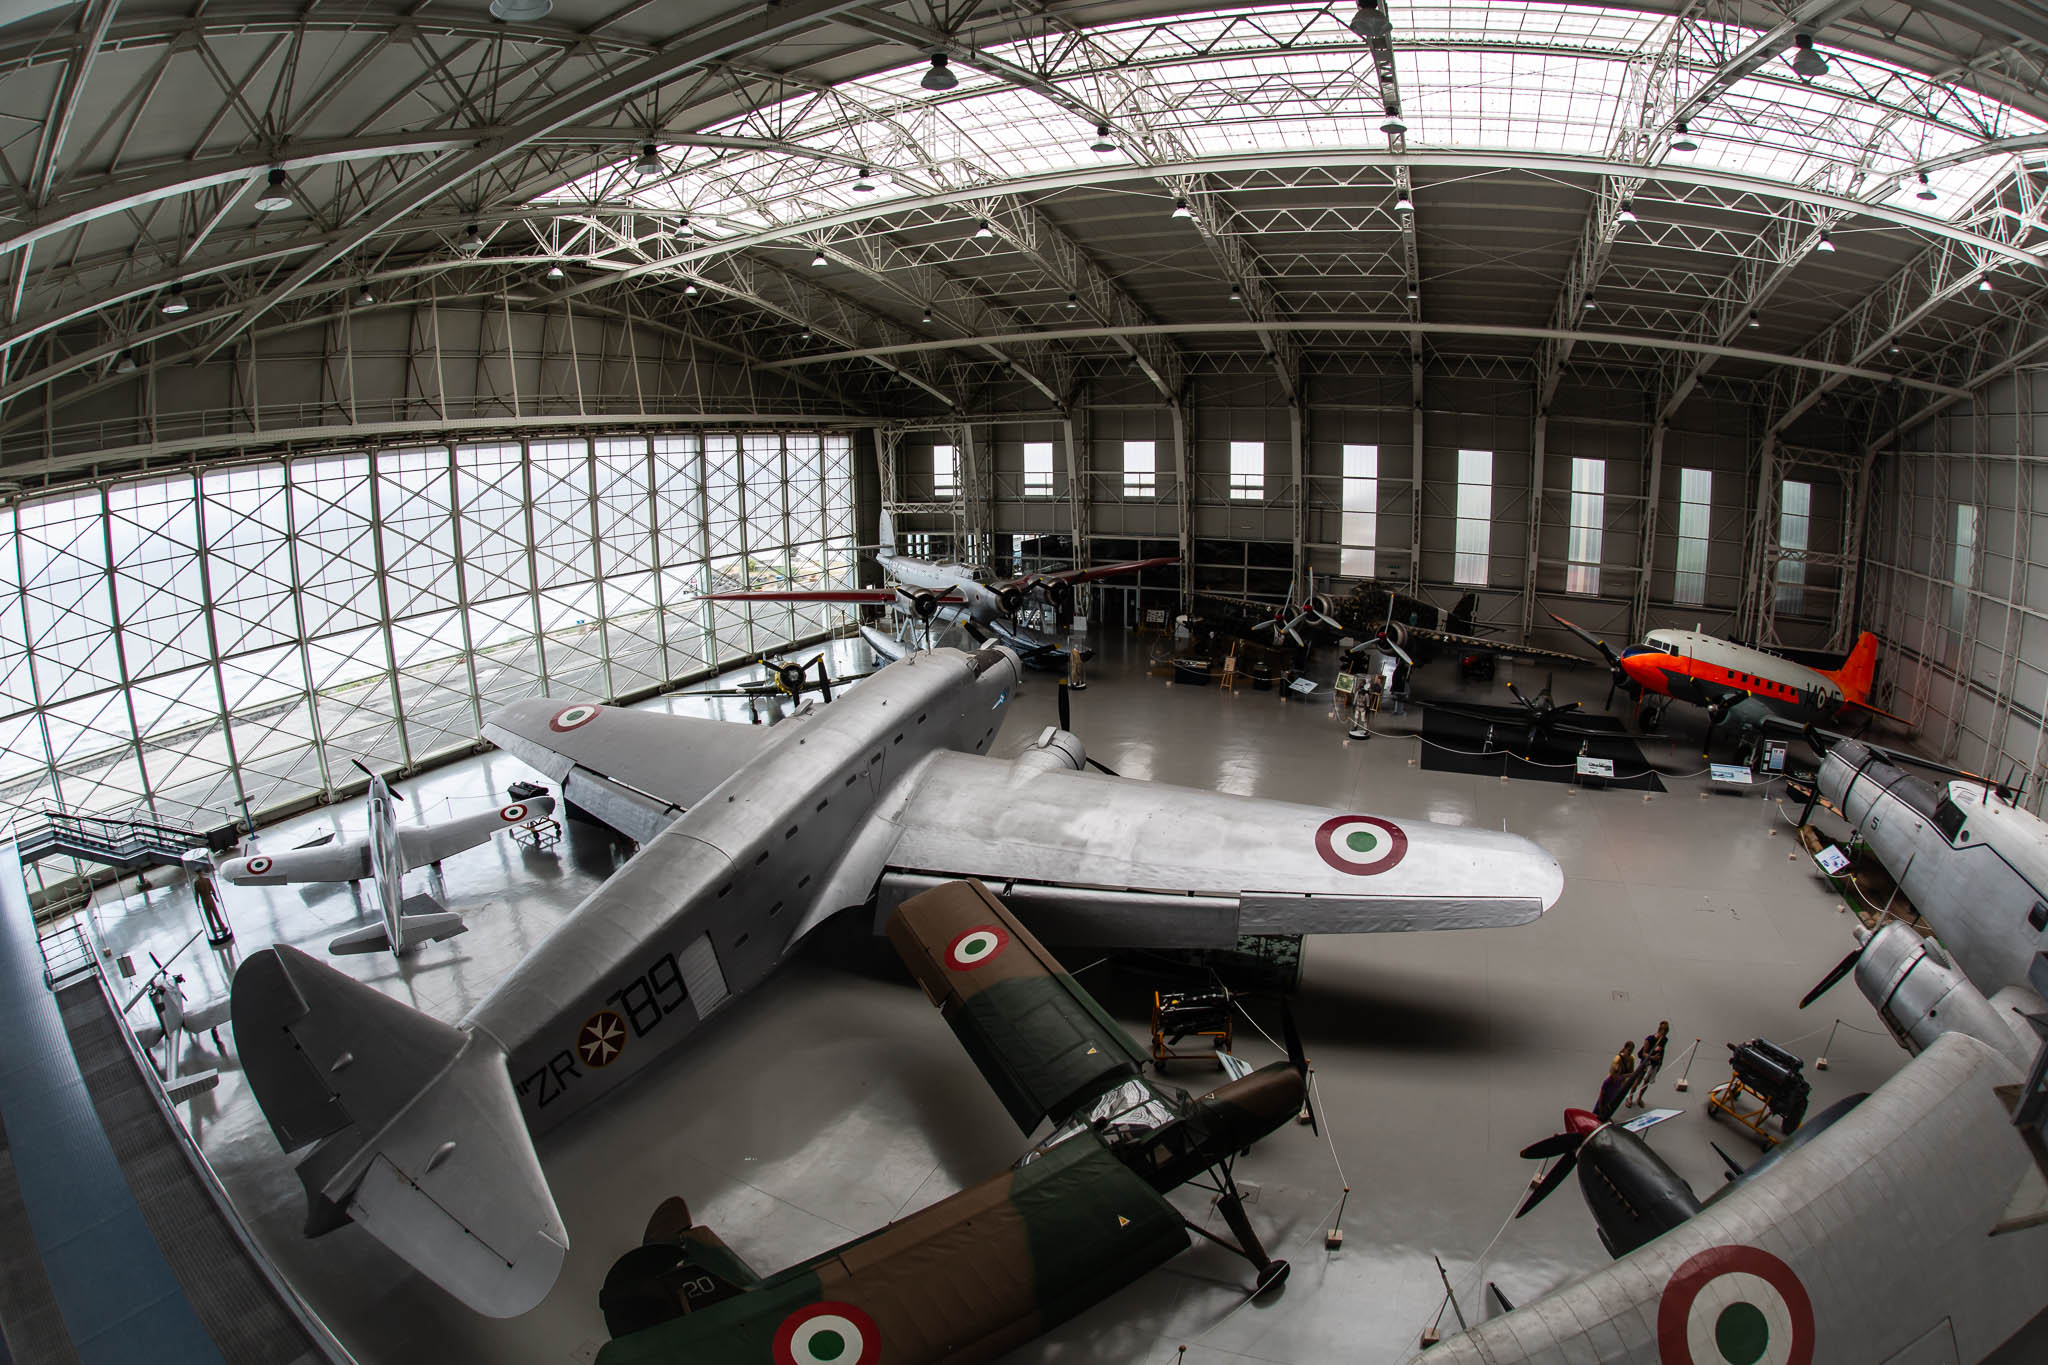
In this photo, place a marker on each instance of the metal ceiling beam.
(1807, 16)
(2023, 339)
(1393, 325)
(722, 36)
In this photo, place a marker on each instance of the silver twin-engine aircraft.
(384, 855)
(751, 836)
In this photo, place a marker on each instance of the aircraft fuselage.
(387, 860)
(1705, 670)
(711, 904)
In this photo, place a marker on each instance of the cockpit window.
(1948, 818)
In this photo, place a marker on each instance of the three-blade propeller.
(1067, 724)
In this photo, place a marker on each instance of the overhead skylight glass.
(1482, 75)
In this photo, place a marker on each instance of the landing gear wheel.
(1272, 1275)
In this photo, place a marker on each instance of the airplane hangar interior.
(1071, 682)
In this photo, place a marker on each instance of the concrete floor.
(834, 1098)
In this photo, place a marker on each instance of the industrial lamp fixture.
(1628, 212)
(690, 290)
(1590, 304)
(1807, 63)
(1073, 302)
(818, 260)
(1371, 21)
(1984, 284)
(1683, 142)
(1926, 191)
(472, 241)
(1403, 203)
(862, 184)
(364, 298)
(1181, 209)
(555, 271)
(683, 227)
(1826, 243)
(1104, 144)
(1393, 127)
(1413, 292)
(1755, 319)
(276, 196)
(175, 303)
(939, 77)
(1236, 294)
(521, 11)
(983, 232)
(648, 164)
(927, 314)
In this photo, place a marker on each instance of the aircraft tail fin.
(885, 536)
(414, 1128)
(1859, 671)
(679, 1267)
(422, 921)
(1460, 620)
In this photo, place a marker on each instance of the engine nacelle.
(1920, 995)
(1055, 750)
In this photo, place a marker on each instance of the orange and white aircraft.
(1734, 682)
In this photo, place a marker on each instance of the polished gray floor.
(835, 1099)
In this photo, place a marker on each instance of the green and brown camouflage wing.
(1043, 1043)
(966, 1280)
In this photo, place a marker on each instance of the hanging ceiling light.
(1755, 319)
(364, 298)
(1403, 203)
(1413, 292)
(1826, 243)
(1683, 142)
(1371, 21)
(1926, 191)
(805, 334)
(1181, 209)
(1393, 127)
(471, 240)
(862, 184)
(1807, 63)
(690, 290)
(555, 271)
(174, 303)
(1073, 302)
(648, 164)
(1104, 144)
(684, 228)
(521, 11)
(1984, 284)
(927, 314)
(1628, 212)
(1236, 294)
(124, 363)
(819, 260)
(939, 77)
(983, 232)
(1590, 304)
(276, 196)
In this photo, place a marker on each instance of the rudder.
(1859, 671)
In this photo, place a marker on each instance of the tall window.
(1038, 469)
(945, 472)
(1695, 517)
(1795, 506)
(1589, 505)
(1140, 469)
(1247, 469)
(1963, 567)
(1360, 530)
(1475, 516)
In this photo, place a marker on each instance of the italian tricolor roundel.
(569, 717)
(828, 1333)
(975, 947)
(513, 813)
(1360, 844)
(1735, 1305)
(258, 866)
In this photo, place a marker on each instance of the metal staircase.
(129, 845)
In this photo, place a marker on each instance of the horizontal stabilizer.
(434, 1159)
(424, 921)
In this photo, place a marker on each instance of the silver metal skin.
(757, 836)
(1970, 862)
(1854, 1249)
(384, 855)
(980, 605)
(1920, 996)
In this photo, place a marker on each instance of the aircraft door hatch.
(703, 978)
(1937, 1346)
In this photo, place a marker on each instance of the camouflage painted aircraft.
(387, 852)
(1077, 1218)
(751, 837)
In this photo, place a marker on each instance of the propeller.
(1067, 724)
(1579, 1124)
(162, 968)
(373, 777)
(1620, 677)
(1836, 973)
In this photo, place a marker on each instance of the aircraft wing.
(337, 862)
(1097, 859)
(1042, 1042)
(635, 770)
(1478, 644)
(423, 844)
(1089, 575)
(876, 597)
